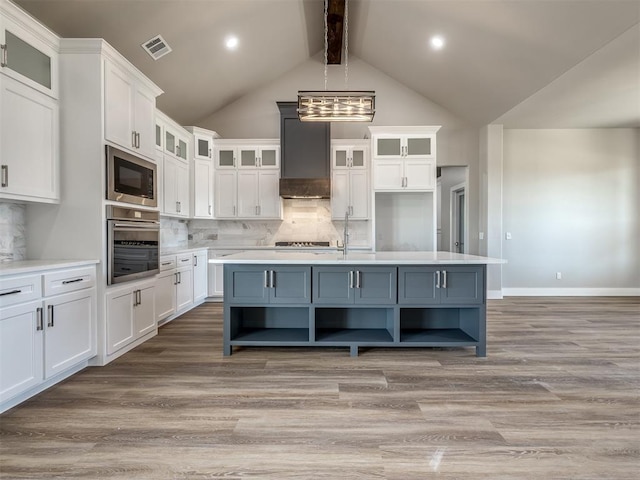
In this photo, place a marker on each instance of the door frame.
(454, 192)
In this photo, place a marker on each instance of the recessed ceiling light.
(231, 42)
(437, 42)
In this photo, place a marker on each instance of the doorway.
(453, 209)
(458, 218)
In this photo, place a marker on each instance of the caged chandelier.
(337, 105)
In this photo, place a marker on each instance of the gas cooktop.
(302, 244)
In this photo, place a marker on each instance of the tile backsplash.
(174, 233)
(303, 220)
(13, 242)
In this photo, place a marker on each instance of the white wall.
(256, 116)
(572, 205)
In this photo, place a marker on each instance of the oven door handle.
(136, 226)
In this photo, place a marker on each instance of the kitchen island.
(383, 299)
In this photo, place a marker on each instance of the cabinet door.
(419, 146)
(248, 157)
(165, 295)
(375, 285)
(359, 194)
(290, 285)
(144, 121)
(269, 201)
(182, 188)
(417, 285)
(340, 156)
(182, 148)
(388, 174)
(21, 347)
(358, 157)
(184, 288)
(202, 191)
(269, 157)
(388, 146)
(28, 59)
(120, 331)
(203, 147)
(420, 175)
(462, 285)
(70, 336)
(215, 282)
(226, 157)
(247, 285)
(333, 285)
(225, 193)
(144, 312)
(170, 185)
(340, 194)
(119, 90)
(29, 125)
(248, 201)
(200, 276)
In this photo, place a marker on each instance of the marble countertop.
(34, 266)
(360, 258)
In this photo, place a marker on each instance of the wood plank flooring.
(558, 397)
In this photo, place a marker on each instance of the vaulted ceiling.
(535, 55)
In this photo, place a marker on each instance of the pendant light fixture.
(336, 105)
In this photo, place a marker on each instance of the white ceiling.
(529, 63)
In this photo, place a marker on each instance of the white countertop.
(33, 266)
(331, 258)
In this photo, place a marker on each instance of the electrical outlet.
(507, 236)
(481, 235)
(558, 275)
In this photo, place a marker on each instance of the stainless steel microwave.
(131, 179)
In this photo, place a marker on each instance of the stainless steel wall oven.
(133, 239)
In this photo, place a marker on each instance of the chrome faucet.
(345, 236)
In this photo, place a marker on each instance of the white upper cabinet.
(129, 111)
(259, 156)
(28, 51)
(29, 144)
(202, 189)
(175, 187)
(225, 194)
(202, 146)
(258, 195)
(350, 179)
(404, 158)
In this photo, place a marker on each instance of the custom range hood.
(305, 149)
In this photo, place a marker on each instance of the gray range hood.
(305, 150)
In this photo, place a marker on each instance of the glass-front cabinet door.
(203, 147)
(269, 157)
(181, 150)
(248, 157)
(225, 157)
(403, 146)
(418, 147)
(28, 58)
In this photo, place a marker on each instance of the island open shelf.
(367, 300)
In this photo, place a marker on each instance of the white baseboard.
(494, 294)
(570, 292)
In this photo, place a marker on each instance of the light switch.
(481, 235)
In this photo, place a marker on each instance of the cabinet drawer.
(184, 259)
(69, 280)
(167, 262)
(20, 289)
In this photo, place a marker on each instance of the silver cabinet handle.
(12, 292)
(209, 209)
(444, 279)
(40, 320)
(234, 210)
(272, 278)
(350, 278)
(138, 139)
(5, 175)
(133, 138)
(50, 310)
(65, 282)
(195, 260)
(266, 279)
(437, 278)
(166, 263)
(209, 153)
(5, 59)
(175, 278)
(259, 210)
(179, 277)
(358, 279)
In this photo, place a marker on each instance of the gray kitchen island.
(327, 299)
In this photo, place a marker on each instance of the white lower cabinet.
(49, 336)
(130, 314)
(175, 284)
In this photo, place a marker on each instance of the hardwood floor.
(558, 397)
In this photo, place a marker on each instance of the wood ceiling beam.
(335, 30)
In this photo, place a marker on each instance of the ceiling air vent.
(156, 47)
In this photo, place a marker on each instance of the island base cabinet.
(413, 306)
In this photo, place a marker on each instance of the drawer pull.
(5, 175)
(65, 282)
(12, 292)
(166, 263)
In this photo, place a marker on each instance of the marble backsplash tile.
(13, 242)
(303, 220)
(174, 233)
